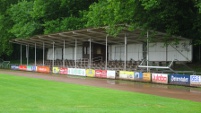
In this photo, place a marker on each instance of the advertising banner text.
(126, 75)
(63, 71)
(147, 77)
(14, 67)
(90, 72)
(101, 73)
(55, 70)
(111, 74)
(77, 71)
(195, 80)
(160, 78)
(43, 69)
(138, 76)
(31, 68)
(179, 79)
(23, 67)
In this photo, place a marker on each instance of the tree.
(60, 15)
(21, 15)
(175, 17)
(5, 24)
(25, 18)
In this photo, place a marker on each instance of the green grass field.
(30, 95)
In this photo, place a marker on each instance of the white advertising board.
(76, 71)
(160, 78)
(111, 74)
(195, 80)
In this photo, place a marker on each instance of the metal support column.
(199, 53)
(53, 55)
(35, 54)
(20, 54)
(75, 54)
(166, 49)
(125, 51)
(27, 54)
(90, 53)
(64, 53)
(43, 53)
(147, 51)
(106, 53)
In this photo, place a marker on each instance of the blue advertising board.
(31, 68)
(138, 75)
(14, 67)
(179, 79)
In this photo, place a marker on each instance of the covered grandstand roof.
(97, 35)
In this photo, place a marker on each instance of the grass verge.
(30, 95)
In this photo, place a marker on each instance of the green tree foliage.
(175, 17)
(25, 18)
(5, 25)
(24, 25)
(63, 24)
(60, 15)
(110, 13)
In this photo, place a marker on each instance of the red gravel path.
(193, 94)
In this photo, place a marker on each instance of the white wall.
(69, 53)
(181, 52)
(157, 52)
(58, 53)
(116, 52)
(79, 52)
(134, 51)
(50, 54)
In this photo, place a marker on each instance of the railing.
(97, 59)
(167, 68)
(4, 64)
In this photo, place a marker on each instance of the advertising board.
(14, 67)
(195, 80)
(138, 76)
(23, 67)
(126, 75)
(111, 74)
(43, 69)
(55, 70)
(31, 68)
(160, 78)
(147, 77)
(179, 79)
(63, 71)
(90, 72)
(77, 71)
(101, 73)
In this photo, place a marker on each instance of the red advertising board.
(101, 73)
(63, 70)
(43, 69)
(160, 78)
(23, 67)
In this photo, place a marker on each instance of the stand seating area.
(84, 63)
